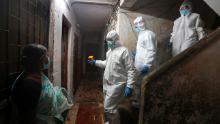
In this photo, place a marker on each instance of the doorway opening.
(64, 52)
(77, 64)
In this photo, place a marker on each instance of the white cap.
(112, 36)
(138, 19)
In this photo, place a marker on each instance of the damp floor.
(88, 107)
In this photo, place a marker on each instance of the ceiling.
(92, 15)
(214, 4)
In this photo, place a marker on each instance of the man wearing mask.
(118, 77)
(187, 29)
(145, 56)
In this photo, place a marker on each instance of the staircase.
(185, 90)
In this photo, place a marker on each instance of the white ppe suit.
(145, 50)
(119, 73)
(145, 55)
(187, 30)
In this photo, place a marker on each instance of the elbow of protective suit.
(201, 33)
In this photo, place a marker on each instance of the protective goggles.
(185, 7)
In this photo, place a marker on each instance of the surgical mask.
(46, 66)
(140, 25)
(110, 44)
(136, 29)
(184, 12)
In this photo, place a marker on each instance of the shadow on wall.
(167, 9)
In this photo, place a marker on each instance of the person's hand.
(92, 62)
(128, 92)
(168, 45)
(133, 53)
(145, 70)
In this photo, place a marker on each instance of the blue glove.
(92, 61)
(168, 45)
(133, 53)
(145, 70)
(128, 92)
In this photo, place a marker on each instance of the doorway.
(64, 52)
(77, 64)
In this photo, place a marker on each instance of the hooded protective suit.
(119, 73)
(187, 30)
(145, 56)
(146, 46)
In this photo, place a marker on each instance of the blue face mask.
(136, 29)
(110, 44)
(46, 66)
(184, 12)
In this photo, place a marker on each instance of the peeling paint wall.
(62, 9)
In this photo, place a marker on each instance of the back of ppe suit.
(145, 55)
(119, 73)
(187, 29)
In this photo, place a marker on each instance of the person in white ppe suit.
(145, 55)
(187, 29)
(118, 77)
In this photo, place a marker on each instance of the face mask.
(140, 25)
(46, 66)
(110, 44)
(136, 29)
(184, 12)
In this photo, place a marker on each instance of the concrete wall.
(214, 4)
(160, 26)
(59, 10)
(159, 17)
